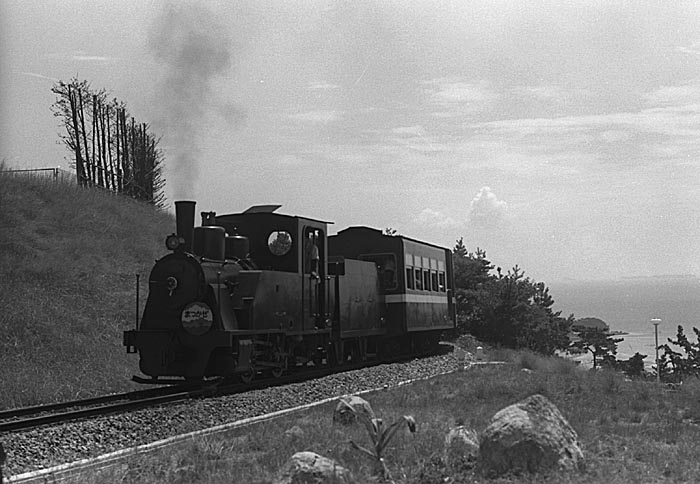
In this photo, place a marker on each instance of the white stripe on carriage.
(415, 298)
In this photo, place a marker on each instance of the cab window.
(279, 242)
(441, 279)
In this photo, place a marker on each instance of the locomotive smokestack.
(184, 216)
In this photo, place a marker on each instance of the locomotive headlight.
(172, 242)
(197, 318)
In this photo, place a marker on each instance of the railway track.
(70, 454)
(29, 417)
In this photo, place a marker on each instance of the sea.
(628, 306)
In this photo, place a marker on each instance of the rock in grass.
(461, 447)
(345, 415)
(529, 436)
(311, 468)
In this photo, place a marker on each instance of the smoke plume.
(194, 49)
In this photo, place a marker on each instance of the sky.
(563, 137)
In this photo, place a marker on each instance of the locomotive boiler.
(261, 292)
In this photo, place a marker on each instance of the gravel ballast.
(53, 445)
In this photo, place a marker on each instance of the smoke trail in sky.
(195, 49)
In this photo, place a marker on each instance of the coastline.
(632, 343)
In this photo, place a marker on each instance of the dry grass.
(631, 431)
(68, 259)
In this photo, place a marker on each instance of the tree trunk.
(135, 162)
(103, 136)
(79, 164)
(120, 186)
(127, 159)
(81, 111)
(95, 141)
(109, 151)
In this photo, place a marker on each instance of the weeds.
(381, 436)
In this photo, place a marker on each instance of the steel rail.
(113, 397)
(101, 410)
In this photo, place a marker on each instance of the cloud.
(458, 95)
(543, 92)
(414, 139)
(673, 95)
(692, 49)
(671, 120)
(323, 86)
(486, 209)
(409, 130)
(39, 76)
(101, 59)
(315, 116)
(82, 56)
(432, 218)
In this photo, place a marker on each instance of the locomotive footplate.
(158, 381)
(174, 353)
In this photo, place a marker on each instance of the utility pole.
(655, 322)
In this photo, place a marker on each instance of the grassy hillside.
(68, 260)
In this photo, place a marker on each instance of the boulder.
(461, 447)
(529, 436)
(345, 416)
(311, 468)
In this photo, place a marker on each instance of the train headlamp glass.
(172, 242)
(197, 318)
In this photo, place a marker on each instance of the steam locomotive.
(260, 292)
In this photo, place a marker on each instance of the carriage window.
(426, 280)
(419, 280)
(409, 277)
(434, 280)
(279, 242)
(441, 279)
(386, 267)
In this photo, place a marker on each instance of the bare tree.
(109, 151)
